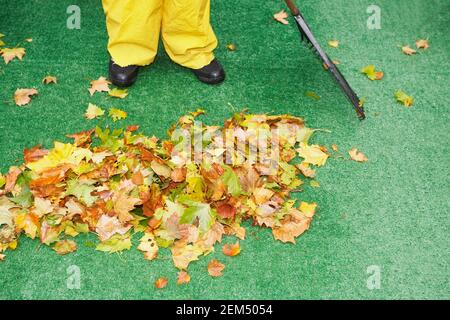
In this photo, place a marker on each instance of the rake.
(310, 40)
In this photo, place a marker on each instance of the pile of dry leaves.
(119, 183)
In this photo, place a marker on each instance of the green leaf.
(117, 114)
(82, 191)
(231, 180)
(199, 210)
(2, 180)
(24, 198)
(114, 244)
(402, 97)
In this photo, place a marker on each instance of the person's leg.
(188, 37)
(133, 29)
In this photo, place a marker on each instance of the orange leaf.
(422, 44)
(290, 230)
(226, 211)
(358, 156)
(22, 96)
(34, 154)
(231, 250)
(161, 283)
(281, 17)
(408, 50)
(215, 268)
(99, 85)
(183, 277)
(11, 178)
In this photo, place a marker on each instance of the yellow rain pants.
(134, 27)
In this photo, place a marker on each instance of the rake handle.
(291, 5)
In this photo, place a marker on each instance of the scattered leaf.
(333, 43)
(118, 93)
(231, 250)
(215, 268)
(160, 283)
(99, 85)
(281, 17)
(117, 114)
(23, 96)
(402, 97)
(371, 73)
(422, 44)
(93, 112)
(9, 54)
(312, 95)
(49, 79)
(358, 156)
(408, 50)
(231, 47)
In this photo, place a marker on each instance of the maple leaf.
(9, 54)
(402, 97)
(281, 17)
(183, 277)
(358, 156)
(161, 169)
(118, 93)
(226, 211)
(34, 154)
(27, 222)
(308, 209)
(117, 114)
(123, 204)
(290, 230)
(161, 283)
(82, 191)
(306, 170)
(63, 247)
(215, 268)
(231, 250)
(262, 195)
(183, 255)
(49, 79)
(42, 207)
(93, 112)
(114, 244)
(422, 44)
(370, 72)
(333, 43)
(408, 50)
(11, 178)
(99, 85)
(148, 246)
(312, 154)
(22, 96)
(200, 211)
(108, 226)
(231, 181)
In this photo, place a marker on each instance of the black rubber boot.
(212, 73)
(122, 76)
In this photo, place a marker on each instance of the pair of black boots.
(212, 73)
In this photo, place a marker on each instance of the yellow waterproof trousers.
(134, 27)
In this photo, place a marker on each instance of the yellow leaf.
(314, 183)
(93, 112)
(27, 222)
(9, 54)
(49, 79)
(182, 256)
(99, 85)
(312, 154)
(402, 97)
(308, 209)
(333, 43)
(65, 246)
(117, 114)
(118, 93)
(148, 246)
(422, 44)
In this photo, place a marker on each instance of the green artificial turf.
(392, 212)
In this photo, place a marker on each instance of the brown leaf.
(358, 156)
(183, 277)
(49, 79)
(65, 246)
(161, 283)
(99, 85)
(226, 211)
(11, 178)
(22, 96)
(215, 268)
(290, 230)
(281, 17)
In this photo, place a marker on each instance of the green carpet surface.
(392, 212)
